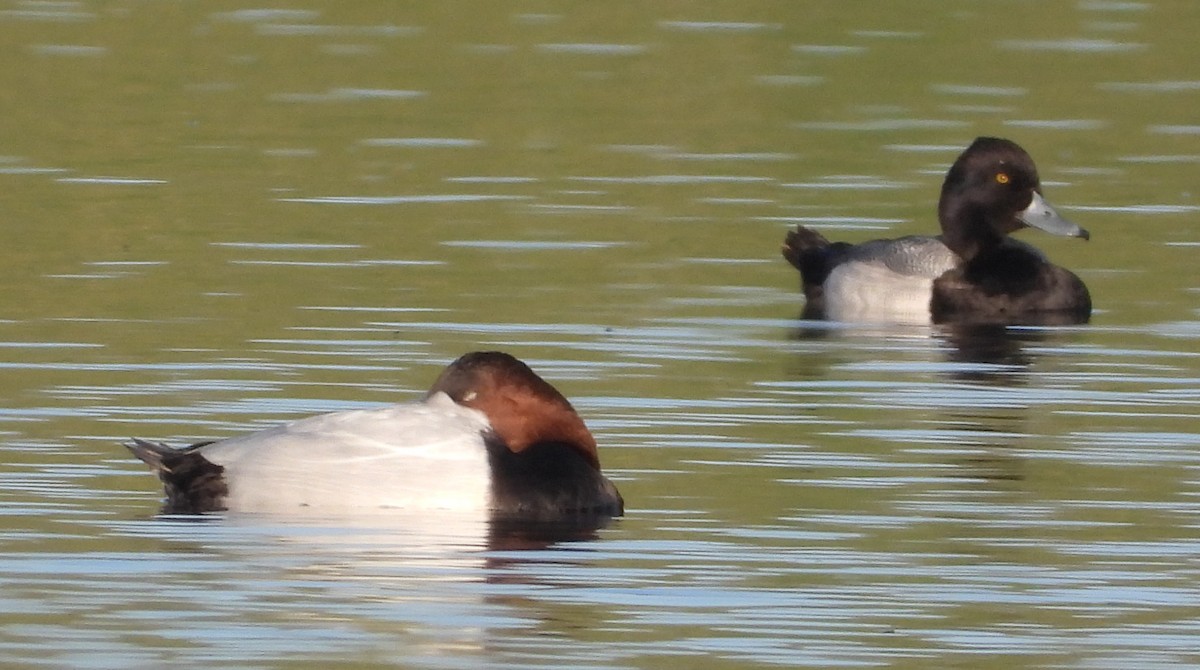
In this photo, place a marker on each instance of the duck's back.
(424, 455)
(911, 256)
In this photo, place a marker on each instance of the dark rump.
(193, 484)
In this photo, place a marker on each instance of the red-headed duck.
(973, 271)
(490, 436)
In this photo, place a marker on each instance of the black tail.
(808, 251)
(152, 454)
(193, 484)
(814, 256)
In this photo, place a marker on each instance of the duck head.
(993, 190)
(523, 409)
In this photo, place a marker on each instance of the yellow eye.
(1001, 177)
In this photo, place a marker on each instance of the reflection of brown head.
(522, 408)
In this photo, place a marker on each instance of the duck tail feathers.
(810, 253)
(192, 483)
(155, 454)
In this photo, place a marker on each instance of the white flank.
(866, 291)
(887, 280)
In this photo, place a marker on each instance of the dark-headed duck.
(972, 271)
(490, 436)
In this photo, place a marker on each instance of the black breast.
(1010, 283)
(548, 481)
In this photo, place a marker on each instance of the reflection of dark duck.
(509, 534)
(990, 353)
(491, 438)
(972, 271)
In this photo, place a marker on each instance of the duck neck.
(966, 229)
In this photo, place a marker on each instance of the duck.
(974, 271)
(490, 437)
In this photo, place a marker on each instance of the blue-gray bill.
(1039, 214)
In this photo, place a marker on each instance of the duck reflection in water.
(969, 391)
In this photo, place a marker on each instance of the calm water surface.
(219, 216)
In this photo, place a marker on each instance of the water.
(223, 216)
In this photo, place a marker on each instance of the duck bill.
(1039, 214)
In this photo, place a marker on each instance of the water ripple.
(403, 199)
